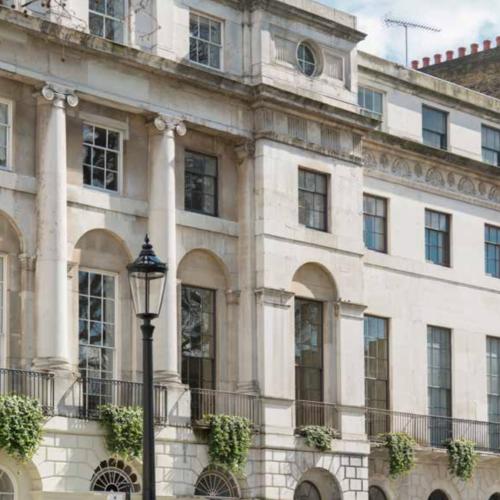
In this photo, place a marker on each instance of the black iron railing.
(95, 392)
(212, 402)
(36, 385)
(316, 413)
(428, 430)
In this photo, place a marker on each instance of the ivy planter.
(401, 448)
(318, 436)
(21, 422)
(462, 458)
(124, 432)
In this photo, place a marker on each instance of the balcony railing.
(36, 385)
(433, 431)
(95, 392)
(316, 413)
(212, 402)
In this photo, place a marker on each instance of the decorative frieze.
(309, 134)
(437, 177)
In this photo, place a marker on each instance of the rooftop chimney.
(498, 41)
(474, 47)
(461, 51)
(414, 64)
(426, 61)
(449, 55)
(437, 58)
(486, 44)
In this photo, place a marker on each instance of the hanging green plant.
(229, 441)
(401, 448)
(318, 436)
(462, 458)
(21, 423)
(123, 426)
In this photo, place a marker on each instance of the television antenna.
(402, 23)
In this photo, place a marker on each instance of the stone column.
(51, 278)
(163, 234)
(246, 269)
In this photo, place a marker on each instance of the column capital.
(348, 309)
(169, 123)
(27, 262)
(59, 95)
(245, 150)
(274, 297)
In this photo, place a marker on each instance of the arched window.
(216, 483)
(438, 495)
(306, 59)
(6, 487)
(375, 493)
(114, 475)
(306, 491)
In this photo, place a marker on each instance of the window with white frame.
(102, 157)
(490, 138)
(2, 298)
(205, 40)
(370, 100)
(107, 19)
(96, 334)
(5, 134)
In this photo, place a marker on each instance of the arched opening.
(115, 476)
(438, 495)
(11, 345)
(6, 486)
(102, 307)
(315, 294)
(306, 491)
(215, 482)
(376, 493)
(317, 484)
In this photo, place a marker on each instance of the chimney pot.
(437, 58)
(486, 44)
(426, 61)
(414, 64)
(449, 55)
(498, 41)
(461, 51)
(474, 47)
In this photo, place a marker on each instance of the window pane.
(4, 114)
(312, 199)
(200, 183)
(374, 223)
(96, 24)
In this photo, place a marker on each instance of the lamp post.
(147, 284)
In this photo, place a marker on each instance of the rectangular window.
(5, 134)
(437, 237)
(102, 157)
(434, 127)
(96, 333)
(107, 19)
(490, 145)
(200, 184)
(375, 222)
(2, 299)
(312, 199)
(493, 378)
(205, 40)
(439, 383)
(492, 250)
(376, 373)
(370, 100)
(198, 337)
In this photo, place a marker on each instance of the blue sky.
(462, 22)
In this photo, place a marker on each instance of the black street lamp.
(147, 283)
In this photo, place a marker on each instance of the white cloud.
(462, 22)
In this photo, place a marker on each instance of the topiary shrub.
(21, 422)
(123, 426)
(462, 458)
(229, 441)
(318, 436)
(401, 448)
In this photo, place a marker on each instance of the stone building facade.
(331, 225)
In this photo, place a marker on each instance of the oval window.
(306, 59)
